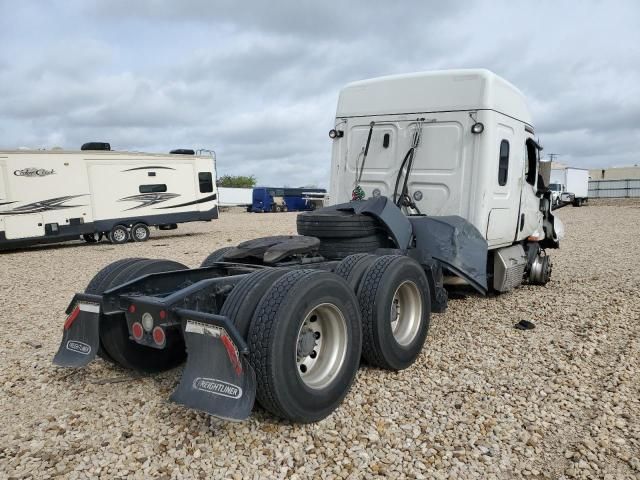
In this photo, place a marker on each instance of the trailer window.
(206, 182)
(159, 187)
(503, 163)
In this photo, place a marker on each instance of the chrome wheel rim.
(140, 233)
(321, 346)
(119, 235)
(406, 312)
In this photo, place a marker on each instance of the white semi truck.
(55, 195)
(569, 185)
(435, 178)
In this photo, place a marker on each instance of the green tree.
(237, 181)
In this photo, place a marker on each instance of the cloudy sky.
(258, 81)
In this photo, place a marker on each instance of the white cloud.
(258, 81)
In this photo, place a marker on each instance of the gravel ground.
(484, 400)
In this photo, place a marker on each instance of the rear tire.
(215, 256)
(119, 235)
(243, 300)
(303, 375)
(395, 304)
(114, 333)
(100, 283)
(140, 232)
(352, 268)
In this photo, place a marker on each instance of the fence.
(614, 188)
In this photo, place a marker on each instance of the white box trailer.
(51, 196)
(569, 185)
(235, 197)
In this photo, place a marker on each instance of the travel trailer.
(53, 195)
(435, 178)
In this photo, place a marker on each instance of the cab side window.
(531, 163)
(503, 163)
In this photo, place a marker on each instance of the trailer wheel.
(245, 296)
(140, 232)
(305, 343)
(119, 235)
(352, 268)
(215, 256)
(114, 334)
(395, 305)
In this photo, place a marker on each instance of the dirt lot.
(484, 400)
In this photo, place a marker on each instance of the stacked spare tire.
(343, 232)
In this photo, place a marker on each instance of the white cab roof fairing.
(446, 90)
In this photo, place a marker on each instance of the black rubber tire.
(352, 268)
(215, 256)
(339, 248)
(375, 296)
(113, 233)
(272, 343)
(100, 282)
(331, 223)
(140, 228)
(114, 333)
(243, 300)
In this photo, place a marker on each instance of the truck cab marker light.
(137, 331)
(72, 317)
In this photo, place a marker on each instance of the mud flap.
(81, 337)
(217, 378)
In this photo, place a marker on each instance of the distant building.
(615, 173)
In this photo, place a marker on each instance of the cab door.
(505, 184)
(531, 218)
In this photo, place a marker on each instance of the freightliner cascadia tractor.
(434, 182)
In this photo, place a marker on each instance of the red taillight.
(132, 308)
(137, 330)
(163, 314)
(159, 336)
(71, 318)
(232, 353)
